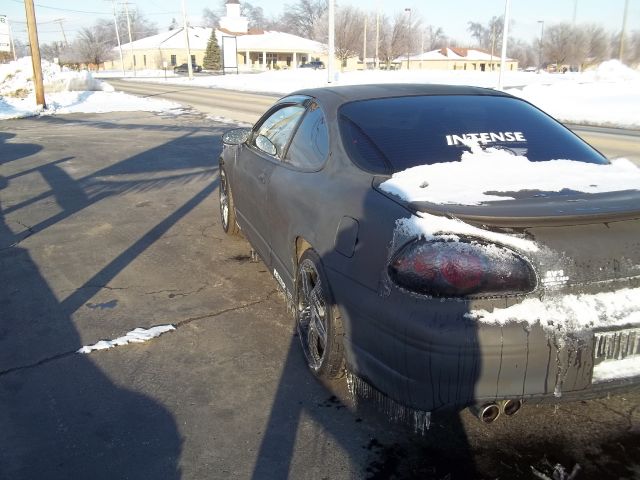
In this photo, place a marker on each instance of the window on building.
(144, 60)
(134, 61)
(193, 59)
(174, 61)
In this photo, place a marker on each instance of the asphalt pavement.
(110, 222)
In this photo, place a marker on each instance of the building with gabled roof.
(453, 58)
(256, 49)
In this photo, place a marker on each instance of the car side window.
(279, 127)
(310, 145)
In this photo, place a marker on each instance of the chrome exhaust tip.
(487, 413)
(511, 407)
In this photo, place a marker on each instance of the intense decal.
(485, 138)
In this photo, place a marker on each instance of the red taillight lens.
(461, 268)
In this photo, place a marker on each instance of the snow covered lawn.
(608, 95)
(66, 92)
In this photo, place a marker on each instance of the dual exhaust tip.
(489, 412)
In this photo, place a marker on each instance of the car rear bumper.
(424, 353)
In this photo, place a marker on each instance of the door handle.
(263, 178)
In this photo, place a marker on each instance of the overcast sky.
(451, 15)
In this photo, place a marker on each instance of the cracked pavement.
(110, 222)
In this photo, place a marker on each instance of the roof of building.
(453, 53)
(254, 40)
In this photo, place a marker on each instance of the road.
(98, 237)
(247, 107)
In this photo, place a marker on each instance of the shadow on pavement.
(65, 418)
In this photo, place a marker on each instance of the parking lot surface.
(110, 222)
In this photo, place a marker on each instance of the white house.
(256, 49)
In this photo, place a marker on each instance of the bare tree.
(93, 45)
(434, 38)
(254, 14)
(558, 44)
(488, 37)
(592, 45)
(349, 29)
(525, 53)
(141, 26)
(210, 18)
(302, 18)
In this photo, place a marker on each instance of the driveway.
(110, 222)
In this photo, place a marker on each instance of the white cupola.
(233, 21)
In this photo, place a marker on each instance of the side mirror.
(237, 136)
(266, 145)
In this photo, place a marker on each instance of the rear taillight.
(461, 268)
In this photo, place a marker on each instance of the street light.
(541, 22)
(408, 37)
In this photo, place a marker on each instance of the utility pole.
(505, 36)
(115, 24)
(364, 44)
(186, 39)
(133, 58)
(35, 52)
(575, 11)
(624, 29)
(60, 21)
(541, 22)
(13, 45)
(332, 47)
(377, 60)
(408, 38)
(493, 44)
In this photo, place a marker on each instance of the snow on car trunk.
(495, 175)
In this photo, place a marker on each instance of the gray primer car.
(303, 187)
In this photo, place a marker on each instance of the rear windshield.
(389, 135)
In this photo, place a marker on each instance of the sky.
(452, 16)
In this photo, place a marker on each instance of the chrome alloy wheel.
(311, 314)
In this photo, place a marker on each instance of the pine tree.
(212, 53)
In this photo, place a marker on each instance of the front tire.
(227, 207)
(318, 320)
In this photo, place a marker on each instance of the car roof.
(333, 97)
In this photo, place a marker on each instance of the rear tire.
(227, 207)
(318, 320)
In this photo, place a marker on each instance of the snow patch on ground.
(607, 96)
(139, 335)
(570, 313)
(229, 121)
(65, 92)
(480, 171)
(611, 370)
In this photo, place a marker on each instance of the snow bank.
(65, 92)
(139, 335)
(612, 370)
(16, 79)
(607, 96)
(480, 171)
(570, 313)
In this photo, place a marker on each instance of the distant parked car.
(315, 65)
(184, 68)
